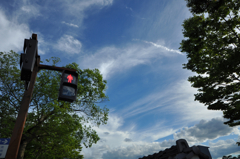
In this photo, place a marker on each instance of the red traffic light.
(68, 86)
(70, 78)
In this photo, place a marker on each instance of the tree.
(212, 45)
(53, 129)
(230, 157)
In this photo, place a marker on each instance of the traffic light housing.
(28, 58)
(68, 86)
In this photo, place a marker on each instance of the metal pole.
(14, 144)
(13, 148)
(47, 67)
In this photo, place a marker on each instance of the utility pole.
(13, 148)
(15, 140)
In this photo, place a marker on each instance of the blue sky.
(135, 45)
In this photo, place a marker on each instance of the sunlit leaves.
(212, 43)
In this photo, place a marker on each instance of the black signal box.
(68, 86)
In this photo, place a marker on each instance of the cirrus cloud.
(110, 60)
(69, 44)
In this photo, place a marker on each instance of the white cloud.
(206, 130)
(25, 10)
(73, 8)
(110, 60)
(70, 24)
(122, 144)
(14, 27)
(12, 34)
(113, 142)
(30, 10)
(160, 46)
(129, 8)
(68, 44)
(223, 148)
(134, 151)
(79, 6)
(43, 46)
(76, 8)
(110, 137)
(185, 105)
(176, 102)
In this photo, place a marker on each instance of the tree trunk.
(23, 146)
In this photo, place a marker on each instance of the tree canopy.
(212, 47)
(53, 129)
(230, 157)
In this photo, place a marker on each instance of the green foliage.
(212, 46)
(57, 139)
(54, 129)
(209, 53)
(230, 157)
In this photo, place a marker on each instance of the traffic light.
(28, 58)
(68, 86)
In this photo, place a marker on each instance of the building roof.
(181, 151)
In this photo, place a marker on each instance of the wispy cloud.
(129, 8)
(70, 24)
(43, 46)
(68, 44)
(12, 34)
(163, 47)
(177, 101)
(110, 60)
(76, 7)
(31, 10)
(134, 14)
